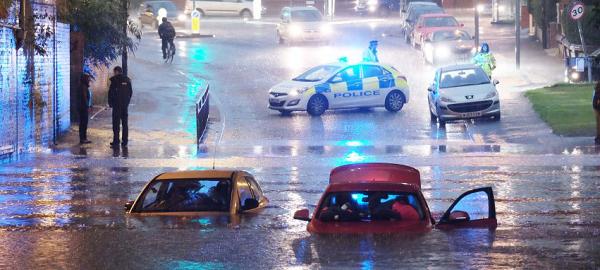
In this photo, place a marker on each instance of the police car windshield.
(440, 22)
(306, 16)
(451, 35)
(463, 77)
(370, 206)
(316, 74)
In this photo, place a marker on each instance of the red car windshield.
(440, 22)
(362, 206)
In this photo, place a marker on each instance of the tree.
(101, 22)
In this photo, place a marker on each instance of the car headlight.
(446, 99)
(491, 94)
(295, 30)
(372, 2)
(326, 29)
(181, 17)
(443, 52)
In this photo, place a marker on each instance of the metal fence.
(202, 110)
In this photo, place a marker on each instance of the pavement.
(63, 207)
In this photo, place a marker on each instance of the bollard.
(195, 22)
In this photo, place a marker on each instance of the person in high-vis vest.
(370, 54)
(485, 59)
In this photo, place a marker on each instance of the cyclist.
(166, 31)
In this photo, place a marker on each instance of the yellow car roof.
(179, 175)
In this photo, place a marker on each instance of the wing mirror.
(496, 82)
(430, 88)
(302, 215)
(458, 216)
(250, 204)
(128, 205)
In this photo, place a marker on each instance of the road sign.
(577, 11)
(195, 22)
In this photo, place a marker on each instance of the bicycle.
(170, 53)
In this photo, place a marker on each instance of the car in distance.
(149, 13)
(387, 198)
(341, 85)
(462, 92)
(207, 192)
(241, 8)
(429, 23)
(409, 20)
(302, 24)
(448, 45)
(379, 7)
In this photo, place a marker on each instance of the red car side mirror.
(462, 25)
(302, 215)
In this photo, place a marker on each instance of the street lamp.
(477, 8)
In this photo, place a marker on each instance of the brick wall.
(33, 113)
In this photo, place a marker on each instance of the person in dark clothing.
(84, 104)
(166, 32)
(596, 105)
(119, 96)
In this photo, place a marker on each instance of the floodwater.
(63, 208)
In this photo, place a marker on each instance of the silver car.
(462, 92)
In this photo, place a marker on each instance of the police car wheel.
(432, 116)
(317, 105)
(394, 101)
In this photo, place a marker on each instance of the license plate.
(471, 114)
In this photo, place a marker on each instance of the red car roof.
(370, 173)
(376, 186)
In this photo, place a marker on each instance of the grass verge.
(566, 108)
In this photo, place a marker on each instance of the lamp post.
(518, 34)
(476, 10)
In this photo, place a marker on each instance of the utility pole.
(124, 53)
(518, 34)
(476, 10)
(544, 25)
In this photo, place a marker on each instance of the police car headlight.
(295, 30)
(326, 29)
(446, 99)
(372, 2)
(491, 94)
(442, 51)
(300, 91)
(181, 17)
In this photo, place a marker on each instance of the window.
(306, 16)
(187, 196)
(464, 77)
(244, 191)
(371, 71)
(440, 22)
(316, 74)
(451, 35)
(349, 74)
(370, 206)
(476, 205)
(254, 188)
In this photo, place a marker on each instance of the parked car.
(387, 198)
(207, 192)
(241, 8)
(413, 14)
(462, 92)
(379, 7)
(429, 23)
(447, 46)
(149, 13)
(406, 4)
(303, 24)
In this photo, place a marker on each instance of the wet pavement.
(63, 207)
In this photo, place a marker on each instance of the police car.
(341, 86)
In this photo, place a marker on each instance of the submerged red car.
(387, 198)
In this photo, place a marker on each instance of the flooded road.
(63, 208)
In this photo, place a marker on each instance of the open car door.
(473, 209)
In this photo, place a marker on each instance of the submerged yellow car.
(199, 192)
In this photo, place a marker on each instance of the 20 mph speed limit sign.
(577, 11)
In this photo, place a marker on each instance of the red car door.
(473, 209)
